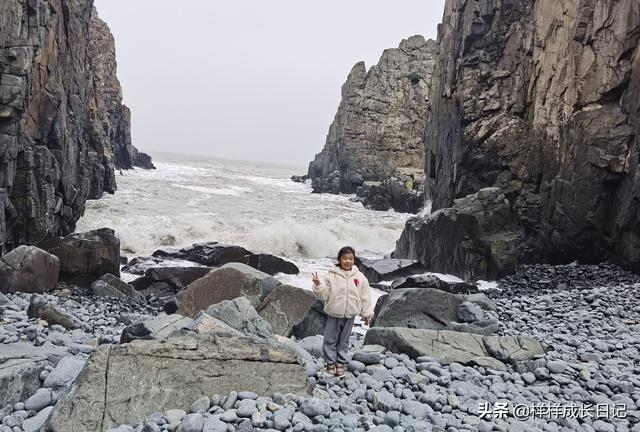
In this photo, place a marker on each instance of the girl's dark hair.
(346, 250)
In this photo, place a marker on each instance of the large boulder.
(144, 161)
(434, 309)
(111, 286)
(85, 257)
(122, 384)
(451, 346)
(28, 269)
(389, 268)
(313, 322)
(225, 283)
(270, 264)
(211, 254)
(40, 308)
(240, 314)
(214, 254)
(176, 278)
(20, 367)
(432, 281)
(286, 307)
(477, 238)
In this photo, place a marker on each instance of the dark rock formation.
(379, 125)
(313, 323)
(403, 193)
(28, 269)
(175, 278)
(63, 127)
(214, 254)
(541, 99)
(432, 281)
(85, 257)
(477, 238)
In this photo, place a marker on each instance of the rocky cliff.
(542, 100)
(378, 129)
(63, 127)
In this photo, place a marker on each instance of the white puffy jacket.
(345, 294)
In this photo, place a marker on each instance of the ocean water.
(191, 199)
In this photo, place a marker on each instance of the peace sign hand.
(315, 279)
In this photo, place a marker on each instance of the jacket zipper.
(346, 294)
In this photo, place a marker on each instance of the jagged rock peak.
(378, 129)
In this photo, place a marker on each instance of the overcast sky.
(253, 80)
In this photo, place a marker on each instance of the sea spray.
(189, 200)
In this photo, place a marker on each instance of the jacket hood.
(338, 270)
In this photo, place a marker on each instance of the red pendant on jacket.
(356, 281)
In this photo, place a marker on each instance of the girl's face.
(346, 261)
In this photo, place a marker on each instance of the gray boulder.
(225, 283)
(42, 398)
(39, 307)
(110, 286)
(312, 345)
(430, 308)
(389, 268)
(28, 269)
(450, 346)
(313, 323)
(158, 328)
(241, 315)
(85, 257)
(172, 374)
(303, 356)
(285, 307)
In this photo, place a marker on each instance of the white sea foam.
(189, 200)
(229, 191)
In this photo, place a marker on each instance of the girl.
(345, 293)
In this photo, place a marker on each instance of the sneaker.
(331, 369)
(341, 370)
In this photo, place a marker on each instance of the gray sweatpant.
(336, 339)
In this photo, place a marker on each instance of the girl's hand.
(315, 279)
(366, 321)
